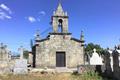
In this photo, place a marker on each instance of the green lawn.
(57, 76)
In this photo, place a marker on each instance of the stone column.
(21, 49)
(108, 65)
(116, 68)
(82, 45)
(30, 58)
(6, 52)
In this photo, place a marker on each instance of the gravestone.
(4, 67)
(111, 59)
(95, 59)
(4, 59)
(116, 67)
(21, 64)
(108, 63)
(118, 57)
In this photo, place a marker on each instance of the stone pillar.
(108, 65)
(30, 60)
(7, 53)
(82, 45)
(116, 67)
(4, 59)
(21, 52)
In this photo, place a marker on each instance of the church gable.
(59, 49)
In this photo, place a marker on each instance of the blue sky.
(99, 19)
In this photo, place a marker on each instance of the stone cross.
(37, 35)
(21, 49)
(94, 50)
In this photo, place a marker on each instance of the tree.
(89, 50)
(31, 43)
(26, 54)
(90, 46)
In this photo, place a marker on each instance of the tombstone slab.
(20, 66)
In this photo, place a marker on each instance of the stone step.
(64, 69)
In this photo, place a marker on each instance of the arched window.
(60, 25)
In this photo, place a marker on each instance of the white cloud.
(5, 12)
(4, 7)
(3, 16)
(31, 19)
(42, 13)
(8, 17)
(37, 18)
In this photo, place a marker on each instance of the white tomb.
(95, 59)
(20, 66)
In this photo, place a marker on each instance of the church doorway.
(60, 59)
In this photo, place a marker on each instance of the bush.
(87, 76)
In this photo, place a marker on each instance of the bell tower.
(60, 20)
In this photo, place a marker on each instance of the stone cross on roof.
(37, 35)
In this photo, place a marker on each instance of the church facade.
(59, 48)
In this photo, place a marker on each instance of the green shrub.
(87, 76)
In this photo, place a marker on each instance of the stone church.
(59, 48)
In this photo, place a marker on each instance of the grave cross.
(94, 50)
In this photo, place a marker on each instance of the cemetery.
(59, 56)
(19, 67)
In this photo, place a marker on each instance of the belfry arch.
(60, 25)
(60, 20)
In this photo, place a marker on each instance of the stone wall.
(4, 67)
(86, 68)
(46, 51)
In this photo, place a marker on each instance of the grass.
(57, 76)
(87, 76)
